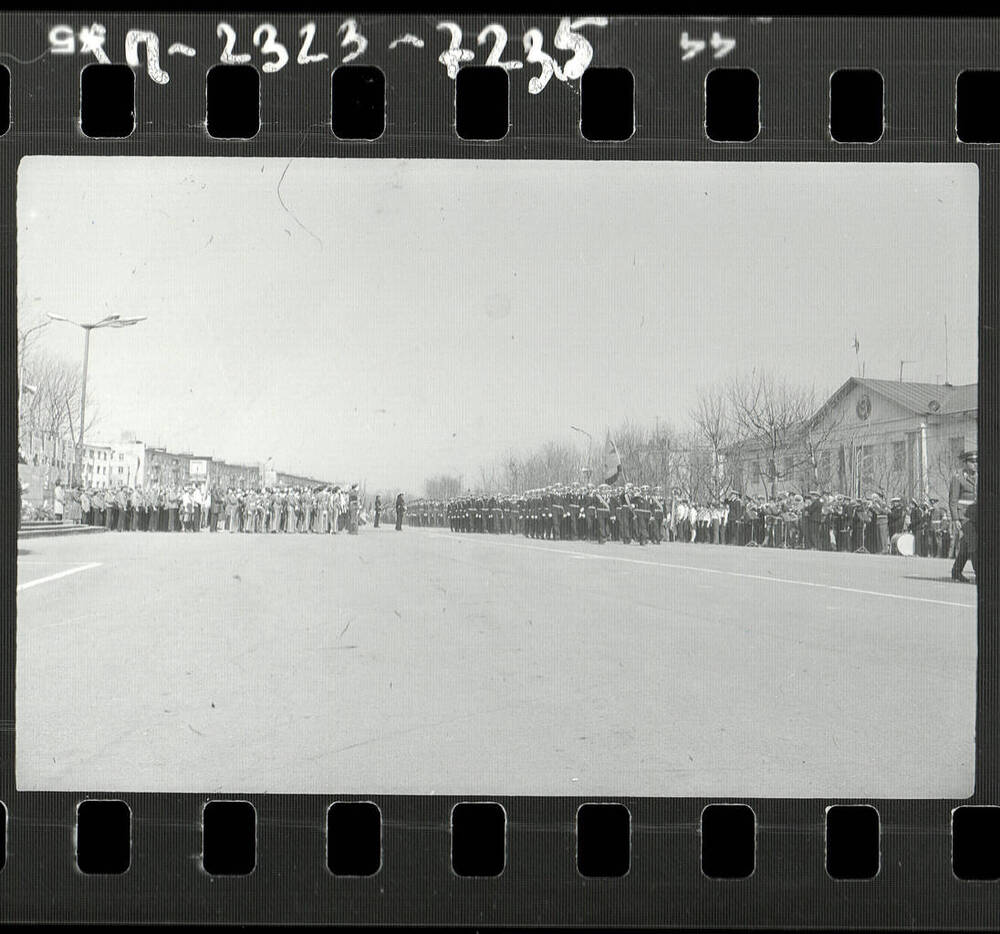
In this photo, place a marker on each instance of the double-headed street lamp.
(111, 321)
(586, 469)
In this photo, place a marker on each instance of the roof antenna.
(946, 351)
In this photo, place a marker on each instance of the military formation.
(625, 513)
(819, 519)
(198, 507)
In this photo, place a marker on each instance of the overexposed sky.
(387, 320)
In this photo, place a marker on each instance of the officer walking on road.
(961, 500)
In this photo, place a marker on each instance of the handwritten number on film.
(566, 39)
(90, 40)
(721, 46)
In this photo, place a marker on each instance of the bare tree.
(50, 412)
(442, 487)
(941, 468)
(716, 430)
(816, 439)
(769, 415)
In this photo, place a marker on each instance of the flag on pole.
(612, 462)
(857, 343)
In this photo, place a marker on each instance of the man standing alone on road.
(961, 493)
(967, 546)
(400, 509)
(352, 510)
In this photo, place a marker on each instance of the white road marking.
(54, 577)
(689, 567)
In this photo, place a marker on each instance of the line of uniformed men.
(424, 513)
(630, 512)
(192, 508)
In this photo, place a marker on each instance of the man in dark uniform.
(400, 509)
(967, 546)
(916, 511)
(735, 524)
(961, 493)
(602, 512)
(574, 501)
(625, 514)
(896, 513)
(378, 509)
(862, 520)
(353, 507)
(845, 518)
(814, 519)
(588, 504)
(557, 511)
(656, 520)
(938, 513)
(642, 515)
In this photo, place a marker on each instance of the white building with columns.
(879, 435)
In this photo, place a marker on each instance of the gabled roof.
(918, 398)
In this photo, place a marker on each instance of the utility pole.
(946, 351)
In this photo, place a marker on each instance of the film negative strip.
(618, 379)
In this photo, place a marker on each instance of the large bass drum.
(903, 544)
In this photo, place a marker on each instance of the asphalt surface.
(431, 662)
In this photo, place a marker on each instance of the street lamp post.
(111, 321)
(589, 449)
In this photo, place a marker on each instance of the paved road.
(430, 662)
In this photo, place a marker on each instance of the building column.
(924, 485)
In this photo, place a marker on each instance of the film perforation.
(852, 841)
(640, 838)
(481, 109)
(729, 110)
(354, 838)
(103, 840)
(607, 110)
(856, 105)
(603, 840)
(358, 102)
(232, 93)
(478, 839)
(229, 838)
(107, 96)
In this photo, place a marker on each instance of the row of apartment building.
(129, 462)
